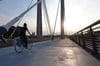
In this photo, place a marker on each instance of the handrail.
(95, 23)
(89, 38)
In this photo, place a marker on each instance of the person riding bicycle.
(23, 35)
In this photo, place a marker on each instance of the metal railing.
(89, 38)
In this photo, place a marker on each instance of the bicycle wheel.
(29, 46)
(19, 46)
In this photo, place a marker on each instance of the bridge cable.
(46, 14)
(20, 20)
(56, 19)
(46, 24)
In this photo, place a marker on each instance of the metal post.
(62, 19)
(76, 37)
(79, 42)
(83, 39)
(39, 20)
(93, 41)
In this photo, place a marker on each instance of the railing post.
(78, 39)
(93, 41)
(83, 39)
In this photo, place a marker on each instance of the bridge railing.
(31, 40)
(89, 38)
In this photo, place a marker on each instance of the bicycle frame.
(18, 44)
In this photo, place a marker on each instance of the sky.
(78, 14)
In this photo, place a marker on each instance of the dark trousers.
(24, 39)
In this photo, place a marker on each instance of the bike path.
(48, 53)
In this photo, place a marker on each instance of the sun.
(74, 18)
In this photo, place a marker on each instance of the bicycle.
(19, 45)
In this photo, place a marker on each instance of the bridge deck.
(48, 53)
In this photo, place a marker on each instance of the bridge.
(79, 49)
(49, 53)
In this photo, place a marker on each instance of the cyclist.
(23, 35)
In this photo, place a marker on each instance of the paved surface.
(48, 53)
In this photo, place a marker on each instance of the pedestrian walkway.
(48, 53)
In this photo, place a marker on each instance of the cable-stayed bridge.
(79, 49)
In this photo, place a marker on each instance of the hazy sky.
(78, 13)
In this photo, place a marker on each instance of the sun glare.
(73, 19)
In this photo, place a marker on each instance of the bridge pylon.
(62, 18)
(39, 20)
